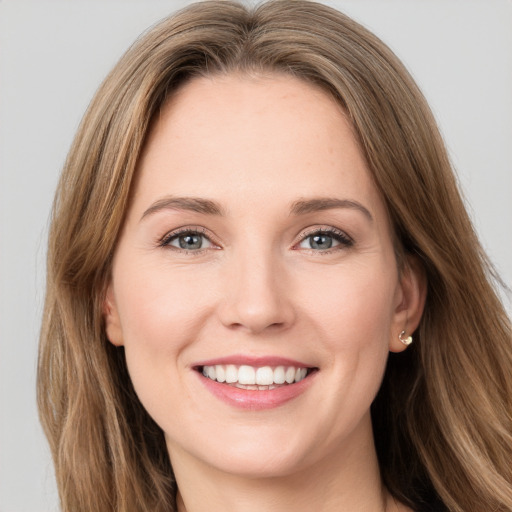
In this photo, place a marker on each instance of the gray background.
(53, 55)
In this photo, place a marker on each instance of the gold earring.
(406, 341)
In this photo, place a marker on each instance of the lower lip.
(256, 400)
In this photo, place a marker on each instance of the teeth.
(279, 377)
(221, 373)
(231, 373)
(264, 376)
(290, 375)
(254, 378)
(246, 375)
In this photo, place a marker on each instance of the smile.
(262, 378)
(255, 383)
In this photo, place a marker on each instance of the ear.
(409, 303)
(111, 317)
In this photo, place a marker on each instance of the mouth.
(255, 383)
(255, 378)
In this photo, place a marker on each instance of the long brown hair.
(443, 417)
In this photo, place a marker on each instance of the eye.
(325, 239)
(189, 240)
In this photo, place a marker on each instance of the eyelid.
(322, 229)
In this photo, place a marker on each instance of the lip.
(253, 400)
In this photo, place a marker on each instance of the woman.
(257, 208)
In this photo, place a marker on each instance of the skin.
(257, 287)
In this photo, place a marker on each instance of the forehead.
(253, 138)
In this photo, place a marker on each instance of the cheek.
(352, 304)
(158, 306)
(161, 312)
(351, 322)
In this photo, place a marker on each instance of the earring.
(406, 341)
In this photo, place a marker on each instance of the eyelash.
(339, 236)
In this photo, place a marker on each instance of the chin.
(256, 453)
(254, 464)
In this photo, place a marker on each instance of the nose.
(257, 296)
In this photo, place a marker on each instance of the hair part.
(442, 418)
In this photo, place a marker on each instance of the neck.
(348, 479)
(282, 496)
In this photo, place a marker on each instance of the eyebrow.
(191, 204)
(209, 207)
(305, 206)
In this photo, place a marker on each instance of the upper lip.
(256, 361)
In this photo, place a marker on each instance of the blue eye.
(188, 241)
(323, 240)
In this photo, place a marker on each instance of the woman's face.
(257, 251)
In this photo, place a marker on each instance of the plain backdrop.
(53, 55)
